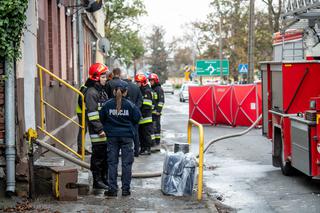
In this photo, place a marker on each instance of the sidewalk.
(146, 196)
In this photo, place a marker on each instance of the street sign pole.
(220, 49)
(251, 42)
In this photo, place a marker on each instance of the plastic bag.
(178, 174)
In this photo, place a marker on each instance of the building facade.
(63, 39)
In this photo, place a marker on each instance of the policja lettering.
(122, 112)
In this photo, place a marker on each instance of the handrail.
(201, 147)
(61, 113)
(59, 141)
(44, 103)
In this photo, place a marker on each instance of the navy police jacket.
(122, 123)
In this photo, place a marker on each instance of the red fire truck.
(291, 91)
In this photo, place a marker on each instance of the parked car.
(184, 92)
(168, 88)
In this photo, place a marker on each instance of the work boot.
(156, 148)
(111, 193)
(146, 152)
(126, 192)
(105, 181)
(142, 150)
(98, 183)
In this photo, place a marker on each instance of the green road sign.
(211, 67)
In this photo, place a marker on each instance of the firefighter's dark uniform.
(83, 90)
(95, 97)
(135, 96)
(120, 130)
(158, 100)
(145, 124)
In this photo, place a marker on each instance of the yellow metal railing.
(44, 103)
(201, 147)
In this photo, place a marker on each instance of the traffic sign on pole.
(243, 68)
(211, 67)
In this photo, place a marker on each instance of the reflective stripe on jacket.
(146, 108)
(95, 97)
(158, 99)
(83, 90)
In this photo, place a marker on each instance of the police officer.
(158, 100)
(116, 73)
(119, 117)
(145, 124)
(94, 98)
(135, 96)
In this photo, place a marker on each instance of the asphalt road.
(239, 171)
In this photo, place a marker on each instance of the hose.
(230, 135)
(141, 174)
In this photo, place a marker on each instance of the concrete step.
(46, 170)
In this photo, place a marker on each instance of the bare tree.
(194, 35)
(274, 12)
(159, 53)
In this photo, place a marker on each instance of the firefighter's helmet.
(96, 70)
(142, 79)
(154, 77)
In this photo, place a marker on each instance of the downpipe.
(10, 127)
(80, 43)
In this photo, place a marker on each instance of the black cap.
(121, 84)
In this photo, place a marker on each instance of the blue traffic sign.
(193, 74)
(243, 68)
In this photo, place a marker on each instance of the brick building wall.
(1, 103)
(55, 53)
(2, 142)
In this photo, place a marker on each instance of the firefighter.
(145, 124)
(135, 96)
(83, 90)
(119, 117)
(94, 98)
(158, 100)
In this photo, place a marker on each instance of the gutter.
(10, 127)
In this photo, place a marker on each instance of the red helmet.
(154, 77)
(142, 79)
(96, 70)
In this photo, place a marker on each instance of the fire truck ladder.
(301, 14)
(303, 9)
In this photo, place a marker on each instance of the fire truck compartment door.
(300, 138)
(277, 87)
